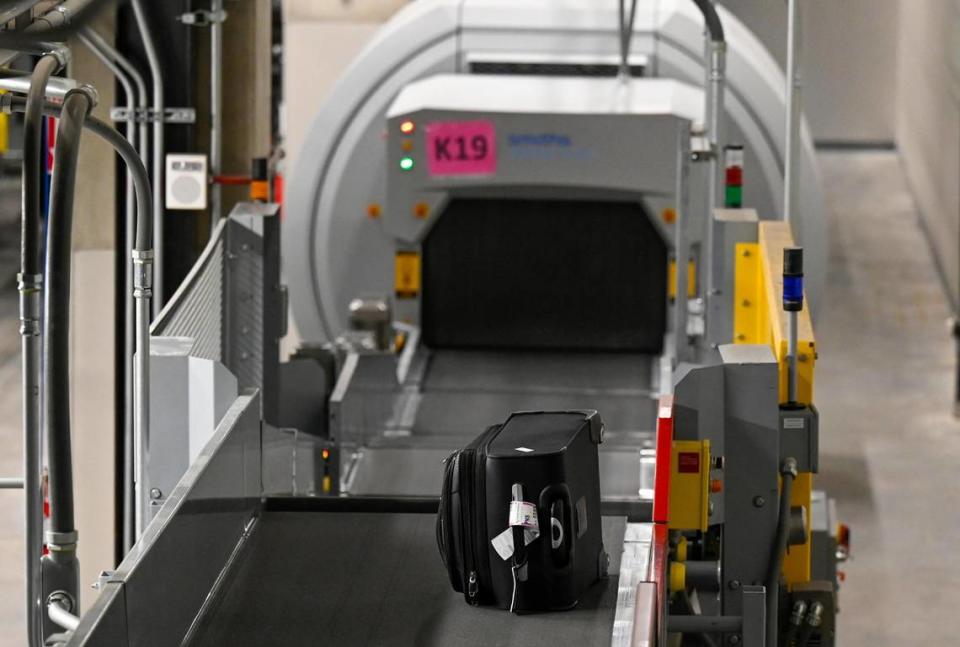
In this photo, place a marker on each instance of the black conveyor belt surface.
(370, 579)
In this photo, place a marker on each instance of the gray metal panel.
(751, 418)
(105, 624)
(823, 539)
(754, 616)
(187, 545)
(244, 316)
(377, 579)
(190, 395)
(253, 315)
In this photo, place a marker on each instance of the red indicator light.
(407, 127)
(734, 176)
(325, 454)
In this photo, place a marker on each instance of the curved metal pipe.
(156, 72)
(143, 97)
(56, 333)
(789, 472)
(61, 617)
(143, 261)
(712, 19)
(30, 282)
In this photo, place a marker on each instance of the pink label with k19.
(461, 148)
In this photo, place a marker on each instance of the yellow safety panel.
(749, 308)
(407, 275)
(689, 483)
(759, 318)
(691, 279)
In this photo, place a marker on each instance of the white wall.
(92, 335)
(928, 124)
(321, 38)
(849, 61)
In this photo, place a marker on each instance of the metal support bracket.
(701, 149)
(149, 115)
(202, 18)
(754, 616)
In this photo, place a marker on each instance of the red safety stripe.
(661, 483)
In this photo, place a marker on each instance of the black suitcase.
(533, 482)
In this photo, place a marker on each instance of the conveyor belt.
(418, 471)
(469, 390)
(463, 392)
(368, 579)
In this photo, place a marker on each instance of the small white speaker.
(186, 181)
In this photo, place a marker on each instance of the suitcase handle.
(548, 496)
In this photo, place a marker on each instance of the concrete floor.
(11, 457)
(890, 445)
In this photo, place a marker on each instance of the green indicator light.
(734, 197)
(406, 164)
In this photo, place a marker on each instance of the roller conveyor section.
(347, 578)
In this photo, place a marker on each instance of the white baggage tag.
(523, 513)
(503, 543)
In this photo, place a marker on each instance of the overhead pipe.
(156, 72)
(714, 87)
(626, 37)
(143, 97)
(217, 16)
(138, 136)
(30, 282)
(56, 88)
(794, 91)
(49, 30)
(142, 255)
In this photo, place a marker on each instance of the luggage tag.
(524, 514)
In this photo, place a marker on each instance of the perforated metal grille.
(196, 310)
(245, 310)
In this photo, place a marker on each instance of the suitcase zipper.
(468, 517)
